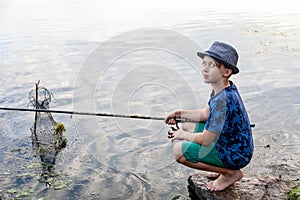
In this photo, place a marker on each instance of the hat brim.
(234, 69)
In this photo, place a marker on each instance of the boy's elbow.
(202, 141)
(207, 138)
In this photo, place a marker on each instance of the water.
(106, 158)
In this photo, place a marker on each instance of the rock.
(249, 187)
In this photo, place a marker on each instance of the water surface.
(109, 158)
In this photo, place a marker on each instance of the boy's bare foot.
(225, 180)
(212, 175)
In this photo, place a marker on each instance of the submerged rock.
(249, 187)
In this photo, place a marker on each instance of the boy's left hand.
(176, 134)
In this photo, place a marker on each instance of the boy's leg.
(191, 127)
(227, 176)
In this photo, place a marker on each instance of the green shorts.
(194, 152)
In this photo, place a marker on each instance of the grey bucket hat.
(223, 53)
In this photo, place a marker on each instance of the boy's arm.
(192, 115)
(204, 138)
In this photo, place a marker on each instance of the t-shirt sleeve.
(217, 114)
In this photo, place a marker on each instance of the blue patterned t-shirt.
(228, 118)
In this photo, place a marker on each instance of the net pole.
(36, 103)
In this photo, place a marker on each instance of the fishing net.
(47, 135)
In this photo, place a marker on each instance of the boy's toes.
(210, 186)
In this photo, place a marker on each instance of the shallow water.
(129, 60)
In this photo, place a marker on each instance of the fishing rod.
(177, 120)
(82, 113)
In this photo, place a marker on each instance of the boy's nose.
(205, 69)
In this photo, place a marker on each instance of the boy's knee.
(177, 152)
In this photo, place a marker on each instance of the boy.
(225, 145)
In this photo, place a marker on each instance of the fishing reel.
(175, 127)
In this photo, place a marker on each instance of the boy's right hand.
(170, 118)
(170, 121)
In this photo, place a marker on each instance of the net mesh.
(47, 135)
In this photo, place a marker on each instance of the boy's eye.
(210, 65)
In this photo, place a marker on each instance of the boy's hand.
(177, 134)
(170, 121)
(170, 118)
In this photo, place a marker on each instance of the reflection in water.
(47, 135)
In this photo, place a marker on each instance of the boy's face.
(213, 71)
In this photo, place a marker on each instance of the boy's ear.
(228, 72)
